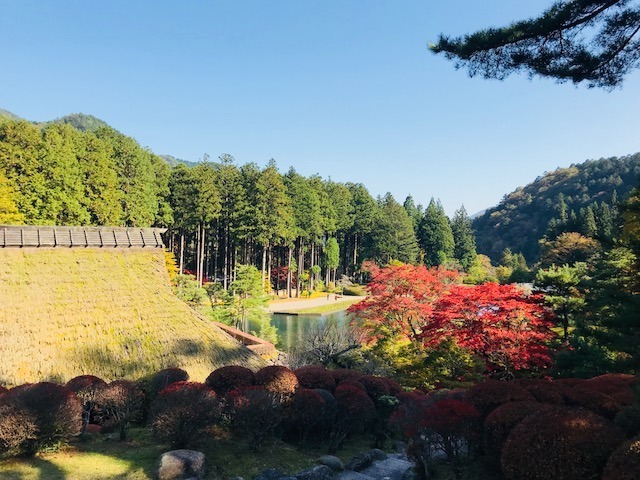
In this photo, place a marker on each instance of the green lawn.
(324, 309)
(135, 459)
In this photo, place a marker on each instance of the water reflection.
(292, 328)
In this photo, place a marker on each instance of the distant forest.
(300, 231)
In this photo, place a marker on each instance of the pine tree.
(393, 237)
(435, 235)
(464, 240)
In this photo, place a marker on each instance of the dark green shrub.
(182, 412)
(224, 379)
(55, 411)
(561, 443)
(624, 462)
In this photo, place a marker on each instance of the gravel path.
(295, 304)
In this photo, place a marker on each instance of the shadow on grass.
(46, 470)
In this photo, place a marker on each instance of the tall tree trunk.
(201, 264)
(355, 253)
(300, 266)
(225, 281)
(313, 259)
(264, 262)
(289, 272)
(269, 260)
(181, 252)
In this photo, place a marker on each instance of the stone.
(389, 468)
(181, 465)
(319, 472)
(273, 474)
(334, 463)
(351, 475)
(363, 459)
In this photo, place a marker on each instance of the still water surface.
(292, 328)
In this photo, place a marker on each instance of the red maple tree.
(402, 299)
(499, 323)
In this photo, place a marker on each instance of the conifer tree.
(464, 240)
(435, 235)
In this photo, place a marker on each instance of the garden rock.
(181, 465)
(334, 463)
(320, 472)
(363, 459)
(392, 468)
(351, 475)
(273, 474)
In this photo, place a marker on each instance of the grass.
(330, 308)
(136, 459)
(106, 312)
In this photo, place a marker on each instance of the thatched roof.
(79, 237)
(107, 312)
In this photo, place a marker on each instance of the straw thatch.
(107, 312)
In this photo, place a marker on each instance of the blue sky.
(343, 88)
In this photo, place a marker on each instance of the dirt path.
(295, 304)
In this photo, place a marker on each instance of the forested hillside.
(582, 198)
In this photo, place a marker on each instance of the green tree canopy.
(435, 235)
(592, 41)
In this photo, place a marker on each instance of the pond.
(293, 328)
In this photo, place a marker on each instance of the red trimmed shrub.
(624, 462)
(3, 390)
(406, 419)
(163, 379)
(352, 382)
(628, 419)
(306, 412)
(490, 394)
(356, 404)
(255, 413)
(122, 402)
(183, 411)
(340, 374)
(562, 443)
(376, 386)
(18, 429)
(393, 386)
(544, 391)
(313, 376)
(597, 402)
(503, 419)
(569, 382)
(224, 379)
(617, 385)
(86, 387)
(55, 411)
(277, 379)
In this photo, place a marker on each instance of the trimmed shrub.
(393, 386)
(18, 430)
(490, 394)
(340, 374)
(376, 386)
(3, 390)
(277, 379)
(163, 379)
(55, 411)
(624, 462)
(314, 376)
(182, 412)
(544, 391)
(87, 388)
(352, 382)
(502, 420)
(617, 385)
(224, 379)
(122, 402)
(255, 413)
(406, 418)
(563, 443)
(595, 401)
(330, 412)
(356, 405)
(306, 411)
(628, 419)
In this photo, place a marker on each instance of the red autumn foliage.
(502, 420)
(182, 412)
(490, 394)
(406, 419)
(18, 429)
(402, 299)
(353, 383)
(3, 390)
(376, 387)
(499, 323)
(224, 379)
(277, 379)
(122, 403)
(313, 376)
(624, 462)
(628, 418)
(163, 379)
(279, 276)
(55, 411)
(393, 386)
(571, 444)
